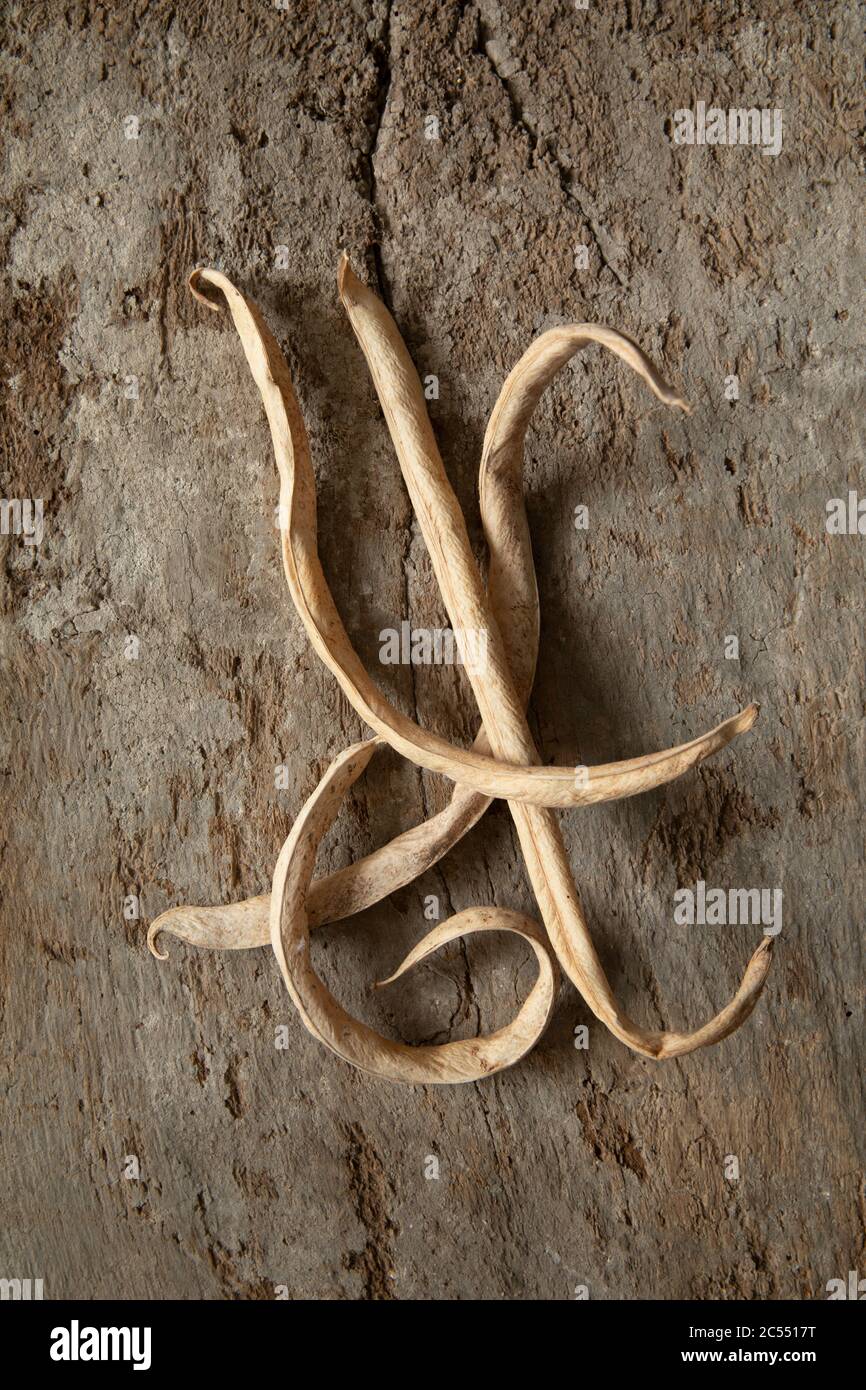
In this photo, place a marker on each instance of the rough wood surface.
(304, 128)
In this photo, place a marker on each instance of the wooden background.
(304, 127)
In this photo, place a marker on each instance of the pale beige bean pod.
(327, 1020)
(242, 925)
(444, 530)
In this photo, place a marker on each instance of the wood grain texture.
(304, 129)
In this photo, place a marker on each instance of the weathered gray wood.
(261, 129)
